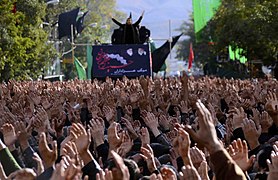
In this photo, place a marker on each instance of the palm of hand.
(82, 142)
(98, 132)
(134, 97)
(10, 137)
(113, 137)
(22, 136)
(151, 120)
(272, 104)
(242, 160)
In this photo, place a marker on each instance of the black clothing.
(130, 32)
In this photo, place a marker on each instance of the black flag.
(79, 23)
(65, 21)
(160, 54)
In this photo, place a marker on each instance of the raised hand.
(144, 136)
(148, 156)
(70, 150)
(184, 107)
(66, 169)
(173, 157)
(129, 127)
(143, 13)
(121, 171)
(95, 110)
(9, 134)
(114, 138)
(134, 95)
(152, 122)
(184, 81)
(184, 146)
(189, 172)
(251, 133)
(35, 98)
(45, 103)
(239, 152)
(164, 122)
(213, 114)
(168, 173)
(128, 110)
(266, 122)
(82, 140)
(203, 171)
(109, 113)
(126, 144)
(58, 124)
(136, 126)
(107, 175)
(22, 135)
(273, 164)
(156, 177)
(81, 137)
(272, 104)
(172, 134)
(238, 117)
(206, 134)
(197, 157)
(49, 156)
(41, 120)
(40, 166)
(256, 116)
(97, 130)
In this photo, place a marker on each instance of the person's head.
(133, 169)
(128, 21)
(262, 156)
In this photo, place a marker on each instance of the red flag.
(14, 8)
(191, 57)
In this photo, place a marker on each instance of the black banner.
(131, 60)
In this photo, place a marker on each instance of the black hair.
(133, 169)
(264, 154)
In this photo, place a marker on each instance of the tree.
(202, 50)
(23, 47)
(250, 25)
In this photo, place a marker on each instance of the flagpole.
(72, 43)
(170, 39)
(56, 43)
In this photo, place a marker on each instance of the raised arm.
(138, 21)
(117, 22)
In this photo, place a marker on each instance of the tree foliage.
(248, 24)
(26, 46)
(23, 46)
(202, 50)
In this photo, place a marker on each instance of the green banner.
(203, 11)
(236, 55)
(80, 69)
(89, 61)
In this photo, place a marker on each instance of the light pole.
(57, 63)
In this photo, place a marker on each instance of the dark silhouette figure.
(128, 32)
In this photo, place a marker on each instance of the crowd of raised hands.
(144, 128)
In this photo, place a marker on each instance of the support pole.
(72, 43)
(170, 39)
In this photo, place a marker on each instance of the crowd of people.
(144, 128)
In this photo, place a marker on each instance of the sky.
(158, 14)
